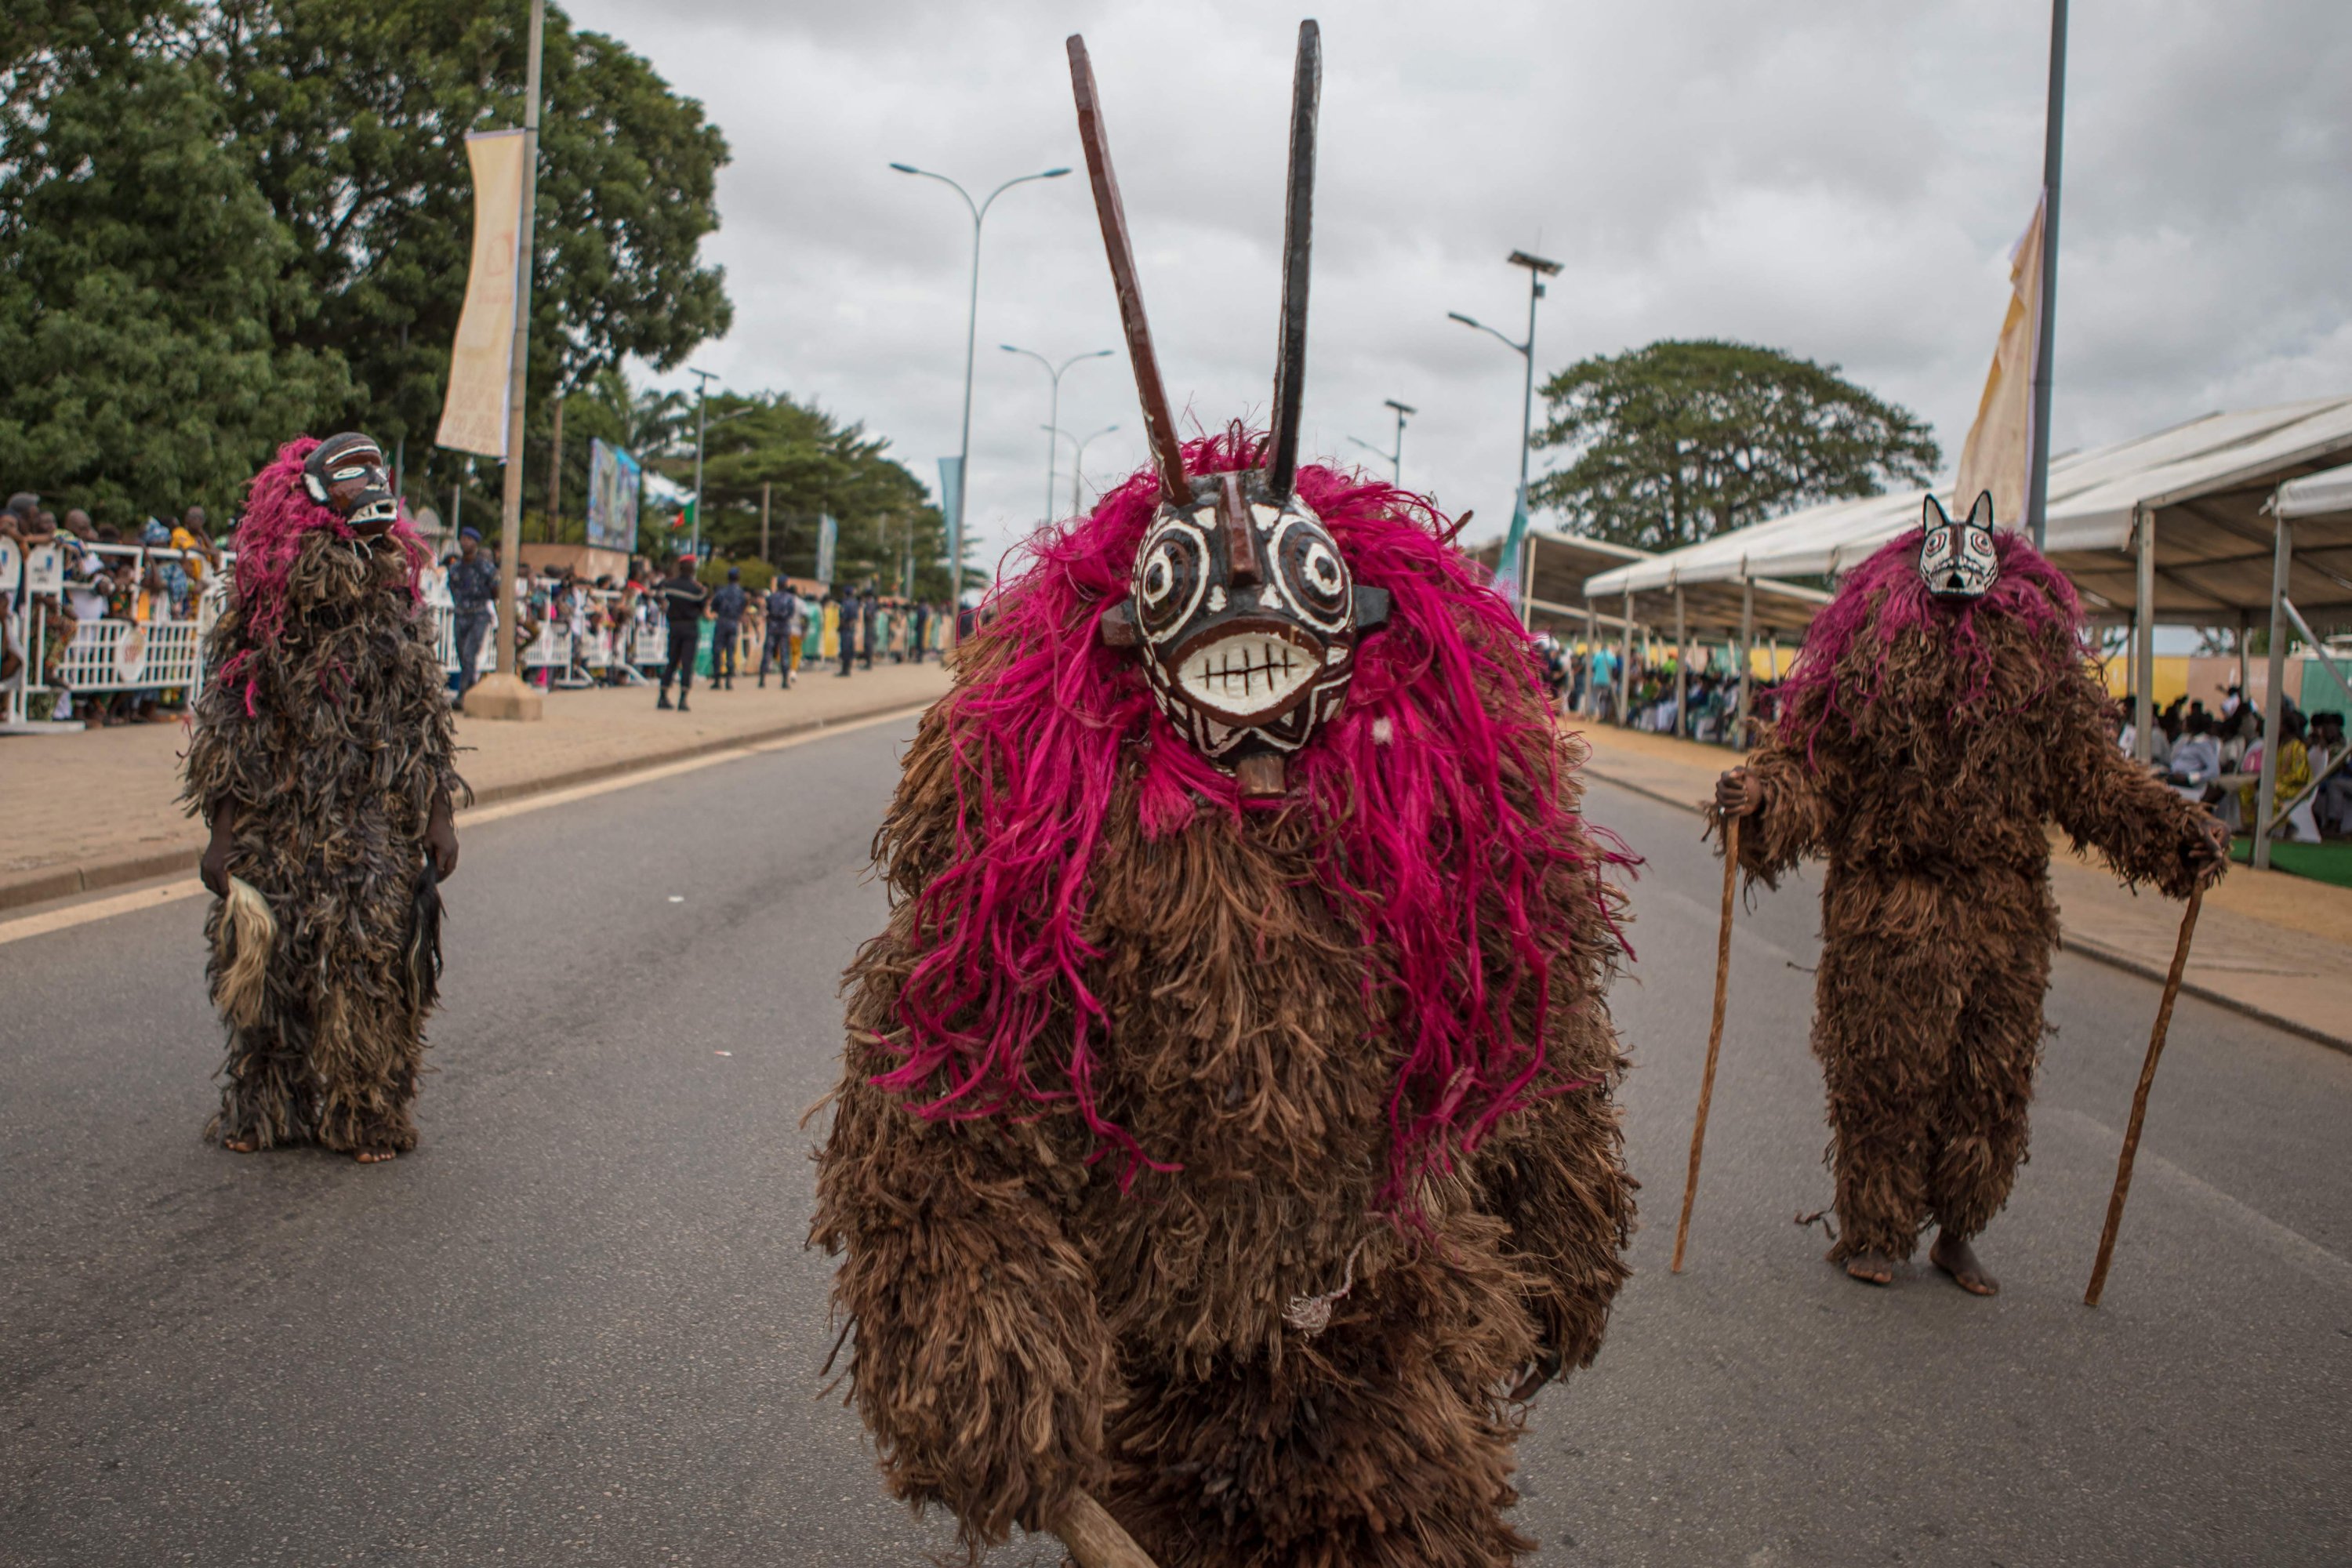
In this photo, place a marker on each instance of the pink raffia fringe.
(1885, 597)
(1424, 849)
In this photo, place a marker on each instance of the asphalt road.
(579, 1325)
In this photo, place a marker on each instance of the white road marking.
(98, 909)
(2295, 1247)
(1647, 897)
(82, 914)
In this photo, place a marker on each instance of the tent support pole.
(1746, 653)
(2143, 645)
(1682, 666)
(2266, 793)
(1591, 659)
(1625, 670)
(2245, 630)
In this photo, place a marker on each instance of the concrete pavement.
(2273, 946)
(578, 1326)
(100, 808)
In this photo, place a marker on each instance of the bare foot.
(374, 1156)
(1871, 1269)
(1956, 1258)
(240, 1145)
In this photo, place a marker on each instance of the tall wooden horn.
(1159, 425)
(1297, 227)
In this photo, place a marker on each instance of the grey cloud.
(1841, 180)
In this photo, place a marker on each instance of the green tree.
(353, 119)
(814, 466)
(1680, 441)
(151, 312)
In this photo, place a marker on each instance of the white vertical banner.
(828, 539)
(474, 414)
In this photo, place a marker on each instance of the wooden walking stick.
(2139, 1101)
(1713, 1034)
(1096, 1540)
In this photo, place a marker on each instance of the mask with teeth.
(1958, 560)
(1243, 609)
(346, 474)
(1246, 616)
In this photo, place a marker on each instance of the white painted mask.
(1957, 560)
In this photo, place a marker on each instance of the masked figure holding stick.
(322, 761)
(1942, 711)
(1226, 1142)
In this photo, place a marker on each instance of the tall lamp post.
(1054, 408)
(702, 428)
(971, 340)
(503, 694)
(702, 380)
(1078, 462)
(1396, 455)
(1539, 269)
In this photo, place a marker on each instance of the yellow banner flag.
(474, 415)
(1999, 453)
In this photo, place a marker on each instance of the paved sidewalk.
(2276, 947)
(102, 807)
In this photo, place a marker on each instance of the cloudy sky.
(1841, 180)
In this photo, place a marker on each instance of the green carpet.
(2330, 862)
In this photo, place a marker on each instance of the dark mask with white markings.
(1247, 616)
(346, 474)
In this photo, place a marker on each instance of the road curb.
(65, 881)
(2097, 952)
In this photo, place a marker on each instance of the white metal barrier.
(109, 655)
(130, 656)
(106, 654)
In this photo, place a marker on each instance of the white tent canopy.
(2317, 495)
(2204, 482)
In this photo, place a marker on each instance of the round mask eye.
(1169, 577)
(1313, 575)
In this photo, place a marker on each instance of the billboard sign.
(614, 480)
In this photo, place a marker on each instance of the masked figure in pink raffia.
(1226, 1134)
(323, 761)
(1941, 713)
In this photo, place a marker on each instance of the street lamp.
(1078, 463)
(1539, 269)
(701, 428)
(703, 379)
(1053, 407)
(971, 340)
(1395, 457)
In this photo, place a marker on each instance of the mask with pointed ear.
(346, 475)
(1957, 560)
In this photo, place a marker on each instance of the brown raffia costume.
(1922, 746)
(322, 754)
(1150, 1176)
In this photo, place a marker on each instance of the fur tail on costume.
(250, 931)
(424, 940)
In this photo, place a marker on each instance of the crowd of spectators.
(752, 631)
(155, 573)
(2215, 757)
(1705, 706)
(158, 572)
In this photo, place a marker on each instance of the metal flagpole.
(2053, 130)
